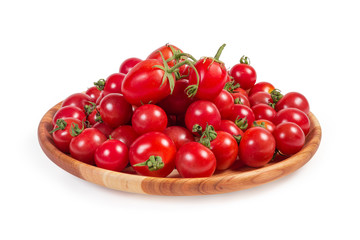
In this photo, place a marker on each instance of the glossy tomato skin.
(261, 87)
(93, 117)
(257, 147)
(77, 100)
(240, 90)
(83, 146)
(293, 115)
(104, 128)
(260, 98)
(114, 110)
(113, 83)
(128, 64)
(143, 84)
(125, 134)
(112, 155)
(179, 135)
(225, 149)
(62, 137)
(69, 111)
(212, 78)
(289, 138)
(242, 112)
(202, 112)
(224, 103)
(244, 74)
(194, 160)
(149, 118)
(293, 100)
(268, 125)
(242, 98)
(263, 111)
(177, 102)
(94, 93)
(166, 52)
(153, 144)
(230, 127)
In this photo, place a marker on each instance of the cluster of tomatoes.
(174, 111)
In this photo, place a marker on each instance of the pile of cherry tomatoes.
(172, 111)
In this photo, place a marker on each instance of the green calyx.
(153, 163)
(242, 123)
(237, 138)
(100, 84)
(238, 101)
(89, 108)
(276, 95)
(231, 86)
(75, 130)
(262, 124)
(61, 125)
(197, 129)
(208, 135)
(245, 60)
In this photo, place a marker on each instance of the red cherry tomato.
(240, 90)
(230, 127)
(114, 110)
(194, 160)
(289, 138)
(260, 98)
(69, 111)
(128, 64)
(257, 147)
(240, 98)
(113, 83)
(167, 52)
(202, 113)
(293, 100)
(144, 83)
(112, 155)
(263, 111)
(225, 149)
(224, 103)
(268, 125)
(94, 116)
(244, 74)
(149, 118)
(104, 128)
(179, 135)
(125, 134)
(153, 154)
(61, 133)
(83, 146)
(243, 116)
(93, 93)
(293, 115)
(261, 87)
(77, 100)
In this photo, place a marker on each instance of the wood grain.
(230, 180)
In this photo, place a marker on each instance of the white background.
(51, 49)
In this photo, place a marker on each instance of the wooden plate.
(230, 180)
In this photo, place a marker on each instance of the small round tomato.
(257, 147)
(77, 100)
(113, 83)
(225, 149)
(293, 115)
(268, 125)
(194, 160)
(94, 93)
(94, 116)
(112, 155)
(260, 98)
(153, 154)
(289, 138)
(69, 111)
(240, 98)
(202, 113)
(114, 110)
(224, 103)
(261, 87)
(243, 116)
(128, 64)
(83, 146)
(179, 135)
(61, 133)
(243, 73)
(125, 134)
(230, 127)
(149, 118)
(104, 128)
(293, 100)
(263, 111)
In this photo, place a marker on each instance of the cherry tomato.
(61, 133)
(94, 93)
(178, 101)
(244, 74)
(77, 100)
(260, 97)
(225, 149)
(268, 125)
(153, 154)
(104, 128)
(112, 155)
(261, 87)
(240, 90)
(114, 110)
(293, 115)
(113, 83)
(224, 103)
(263, 111)
(202, 113)
(125, 134)
(69, 111)
(230, 127)
(289, 138)
(149, 118)
(144, 83)
(243, 116)
(179, 135)
(94, 116)
(194, 160)
(240, 98)
(128, 64)
(167, 52)
(83, 146)
(257, 147)
(293, 100)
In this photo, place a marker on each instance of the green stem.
(153, 163)
(100, 84)
(208, 135)
(242, 123)
(217, 56)
(61, 125)
(237, 138)
(245, 60)
(75, 130)
(276, 95)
